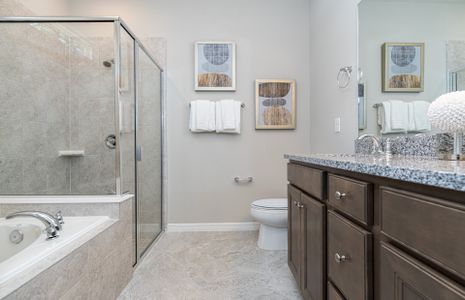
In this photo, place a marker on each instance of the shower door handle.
(138, 153)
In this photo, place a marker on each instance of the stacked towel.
(397, 116)
(420, 110)
(384, 119)
(202, 116)
(228, 116)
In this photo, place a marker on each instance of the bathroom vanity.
(376, 227)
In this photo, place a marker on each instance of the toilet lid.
(273, 203)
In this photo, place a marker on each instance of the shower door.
(148, 151)
(457, 80)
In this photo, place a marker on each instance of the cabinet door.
(294, 233)
(404, 278)
(349, 257)
(333, 294)
(313, 215)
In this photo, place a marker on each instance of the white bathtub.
(16, 258)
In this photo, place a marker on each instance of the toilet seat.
(270, 204)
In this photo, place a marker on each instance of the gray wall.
(333, 36)
(272, 42)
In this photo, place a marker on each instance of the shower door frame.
(119, 24)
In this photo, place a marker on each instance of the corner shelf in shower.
(71, 153)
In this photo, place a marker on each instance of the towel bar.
(242, 105)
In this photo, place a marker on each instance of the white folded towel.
(399, 115)
(228, 116)
(420, 109)
(384, 118)
(202, 116)
(411, 120)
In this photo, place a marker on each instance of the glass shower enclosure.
(81, 114)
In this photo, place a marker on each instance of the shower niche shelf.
(71, 153)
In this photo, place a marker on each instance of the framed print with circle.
(403, 67)
(215, 66)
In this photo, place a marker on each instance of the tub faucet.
(52, 225)
(377, 148)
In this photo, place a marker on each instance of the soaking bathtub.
(17, 259)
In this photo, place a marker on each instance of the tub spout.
(52, 225)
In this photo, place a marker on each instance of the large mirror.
(410, 53)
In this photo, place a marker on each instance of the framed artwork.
(215, 66)
(275, 104)
(403, 67)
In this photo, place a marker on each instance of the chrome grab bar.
(243, 180)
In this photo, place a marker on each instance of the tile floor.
(211, 265)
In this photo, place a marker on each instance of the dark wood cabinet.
(358, 237)
(427, 225)
(334, 294)
(349, 257)
(351, 197)
(314, 236)
(294, 233)
(306, 253)
(309, 180)
(405, 278)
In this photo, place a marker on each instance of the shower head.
(108, 63)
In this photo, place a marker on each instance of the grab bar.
(243, 180)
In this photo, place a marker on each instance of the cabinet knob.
(340, 258)
(340, 196)
(296, 204)
(300, 205)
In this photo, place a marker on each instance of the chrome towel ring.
(347, 71)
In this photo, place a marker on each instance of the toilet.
(272, 216)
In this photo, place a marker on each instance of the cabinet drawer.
(432, 227)
(308, 179)
(404, 278)
(349, 257)
(333, 293)
(352, 197)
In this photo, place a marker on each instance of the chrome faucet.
(52, 224)
(377, 148)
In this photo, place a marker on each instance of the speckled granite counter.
(416, 169)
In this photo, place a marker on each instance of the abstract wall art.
(215, 66)
(403, 67)
(275, 104)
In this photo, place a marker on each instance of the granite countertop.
(416, 169)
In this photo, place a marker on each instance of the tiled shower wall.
(92, 112)
(55, 95)
(34, 109)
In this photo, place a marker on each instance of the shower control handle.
(110, 141)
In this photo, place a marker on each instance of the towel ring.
(347, 71)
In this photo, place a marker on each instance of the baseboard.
(190, 227)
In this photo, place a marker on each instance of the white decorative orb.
(447, 112)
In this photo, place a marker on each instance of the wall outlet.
(337, 124)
